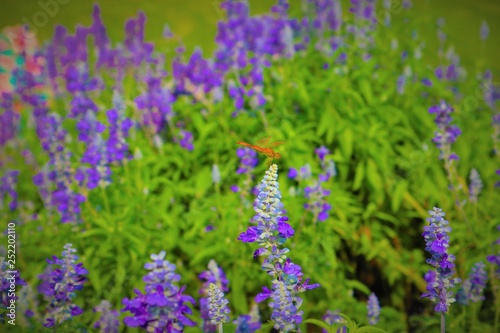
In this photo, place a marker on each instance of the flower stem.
(443, 323)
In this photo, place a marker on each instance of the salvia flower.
(270, 231)
(163, 308)
(477, 283)
(218, 311)
(446, 134)
(475, 185)
(62, 278)
(248, 323)
(9, 119)
(214, 275)
(439, 280)
(8, 188)
(9, 279)
(332, 317)
(373, 309)
(109, 320)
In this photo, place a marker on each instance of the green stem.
(473, 316)
(443, 323)
(106, 202)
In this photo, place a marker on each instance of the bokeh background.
(195, 21)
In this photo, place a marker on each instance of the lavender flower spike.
(59, 286)
(109, 320)
(373, 309)
(217, 305)
(439, 280)
(475, 186)
(478, 278)
(446, 134)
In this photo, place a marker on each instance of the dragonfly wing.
(264, 141)
(275, 144)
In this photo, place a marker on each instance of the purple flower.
(248, 323)
(9, 120)
(332, 317)
(119, 126)
(214, 275)
(439, 280)
(373, 309)
(9, 279)
(186, 140)
(109, 320)
(248, 160)
(270, 232)
(427, 82)
(446, 134)
(8, 188)
(218, 312)
(163, 308)
(62, 278)
(475, 185)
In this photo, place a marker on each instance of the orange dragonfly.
(264, 146)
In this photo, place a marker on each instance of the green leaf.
(346, 143)
(359, 176)
(398, 195)
(319, 323)
(366, 90)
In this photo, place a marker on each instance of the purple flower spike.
(214, 275)
(446, 134)
(163, 308)
(270, 233)
(332, 317)
(439, 280)
(218, 312)
(62, 278)
(373, 309)
(109, 320)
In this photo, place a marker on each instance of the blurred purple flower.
(109, 320)
(62, 278)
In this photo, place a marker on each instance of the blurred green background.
(195, 21)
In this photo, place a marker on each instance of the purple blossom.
(163, 308)
(9, 279)
(439, 280)
(270, 232)
(62, 278)
(218, 312)
(332, 317)
(248, 323)
(8, 188)
(155, 104)
(446, 134)
(248, 160)
(373, 309)
(186, 140)
(9, 120)
(119, 127)
(109, 320)
(214, 275)
(475, 185)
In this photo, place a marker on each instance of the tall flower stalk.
(270, 232)
(439, 279)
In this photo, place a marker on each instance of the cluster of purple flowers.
(214, 275)
(495, 258)
(439, 280)
(472, 289)
(55, 181)
(316, 194)
(163, 308)
(446, 134)
(62, 278)
(475, 185)
(270, 231)
(9, 120)
(8, 188)
(373, 306)
(109, 319)
(332, 317)
(9, 279)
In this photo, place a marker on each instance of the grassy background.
(195, 21)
